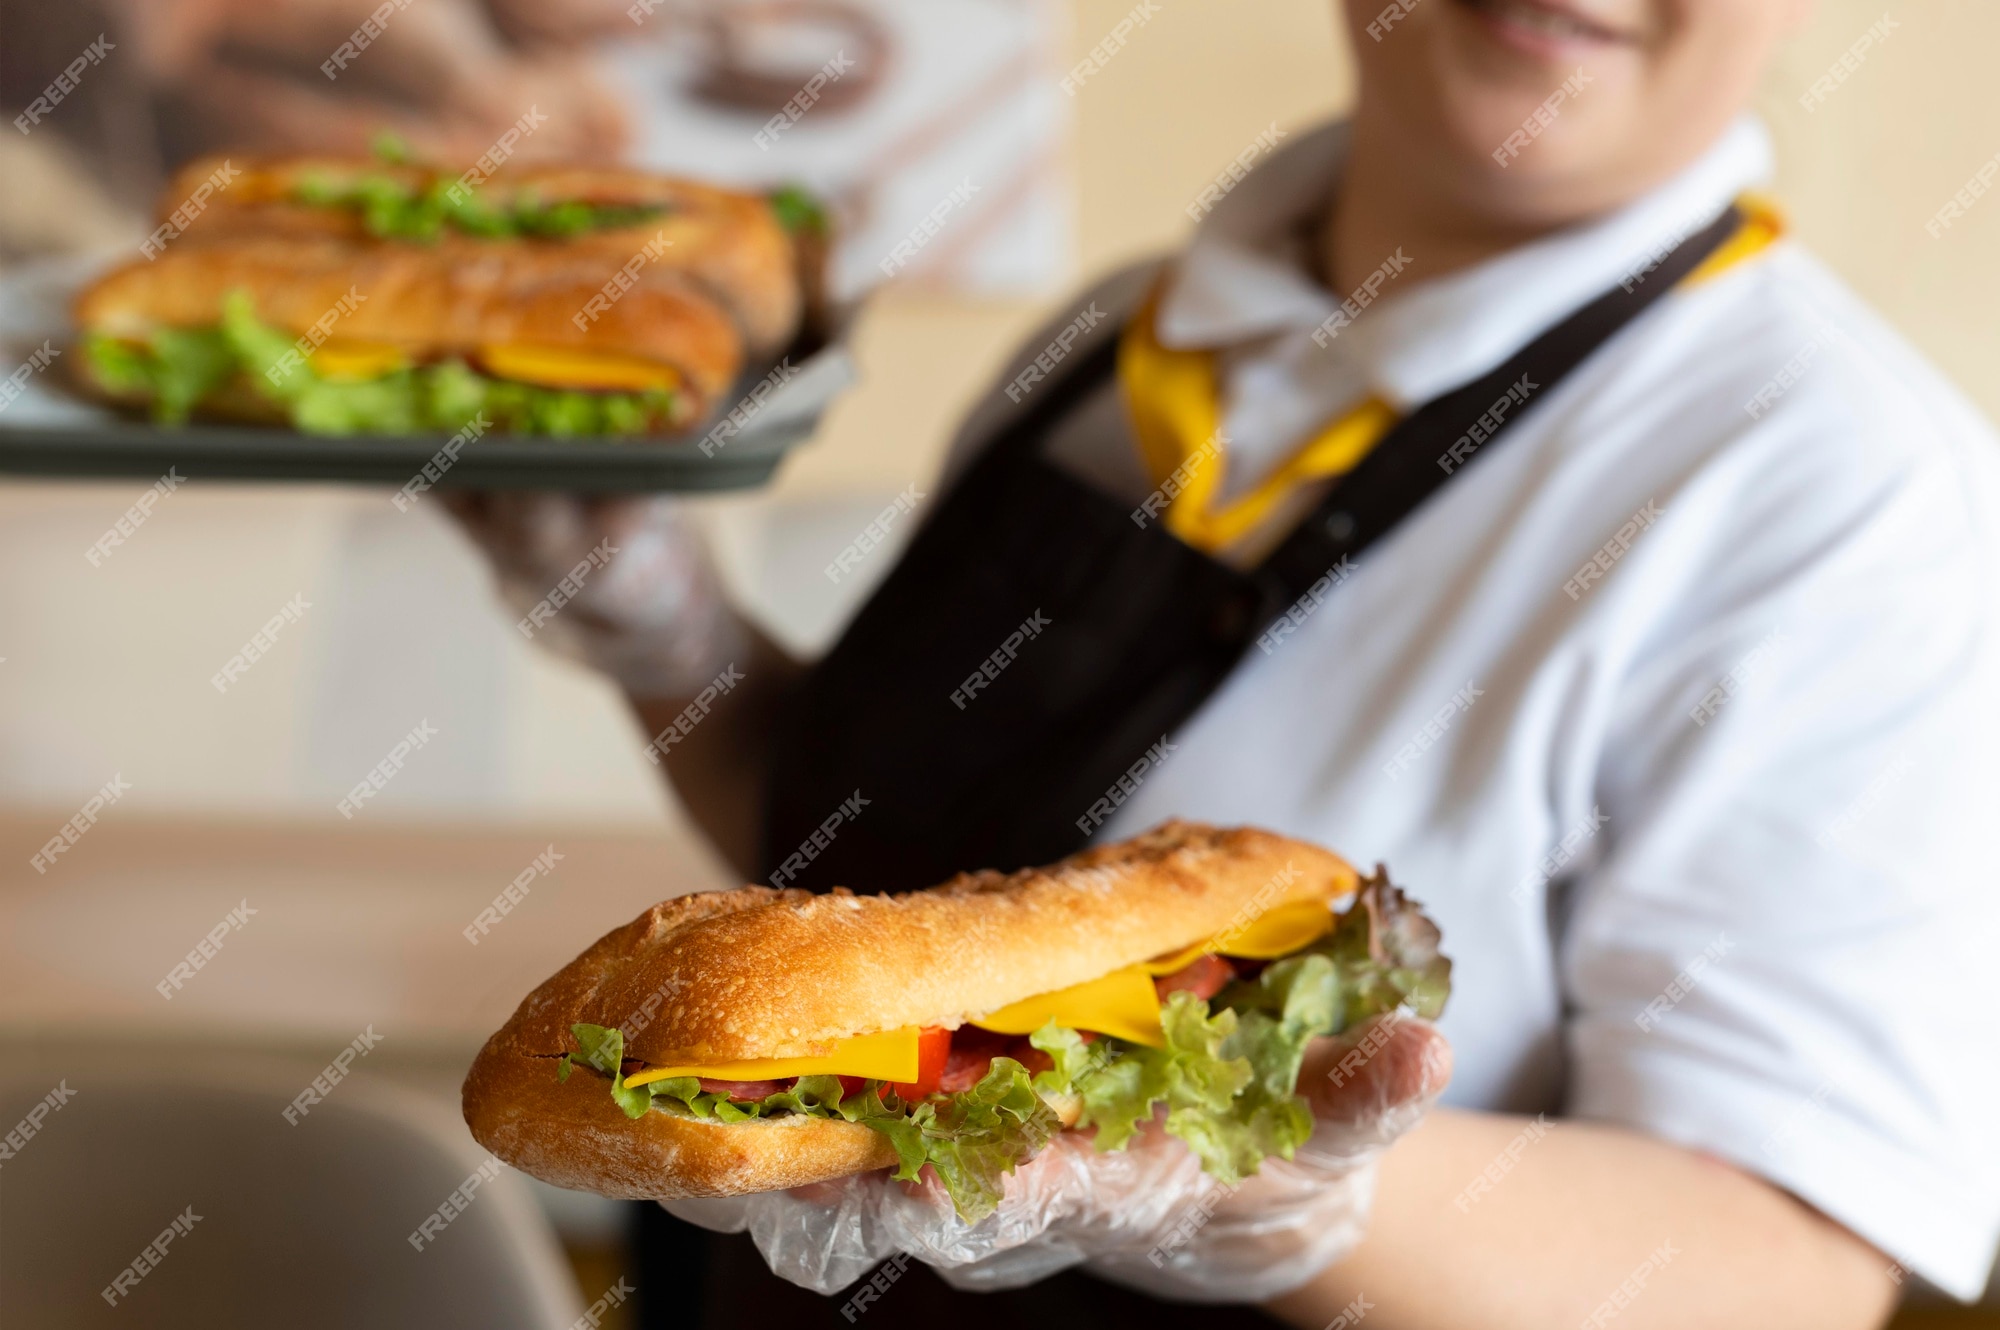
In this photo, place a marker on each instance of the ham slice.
(747, 1091)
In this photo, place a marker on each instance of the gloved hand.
(1146, 1216)
(622, 584)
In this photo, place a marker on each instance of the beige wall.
(1862, 173)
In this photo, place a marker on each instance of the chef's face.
(1537, 111)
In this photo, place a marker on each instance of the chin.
(1466, 82)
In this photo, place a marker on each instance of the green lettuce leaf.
(177, 368)
(394, 209)
(973, 1139)
(798, 211)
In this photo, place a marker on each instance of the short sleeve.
(1787, 956)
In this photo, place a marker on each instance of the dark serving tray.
(48, 430)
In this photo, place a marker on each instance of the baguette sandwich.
(356, 297)
(738, 249)
(741, 1041)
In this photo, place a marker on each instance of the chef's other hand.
(623, 584)
(1147, 1215)
(331, 75)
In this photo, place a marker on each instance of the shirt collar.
(1245, 277)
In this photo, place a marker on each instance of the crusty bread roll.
(454, 298)
(725, 243)
(758, 973)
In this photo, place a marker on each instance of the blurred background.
(360, 925)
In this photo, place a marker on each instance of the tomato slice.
(933, 1052)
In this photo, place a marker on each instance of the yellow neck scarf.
(1173, 402)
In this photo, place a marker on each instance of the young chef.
(1488, 490)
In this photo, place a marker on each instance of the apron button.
(1339, 524)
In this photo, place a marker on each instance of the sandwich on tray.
(741, 1041)
(346, 295)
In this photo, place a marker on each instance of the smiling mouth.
(1545, 26)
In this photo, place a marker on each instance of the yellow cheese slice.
(1276, 932)
(1122, 1004)
(888, 1056)
(557, 367)
(357, 360)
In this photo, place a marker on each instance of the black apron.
(1141, 630)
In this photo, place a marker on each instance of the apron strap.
(1445, 435)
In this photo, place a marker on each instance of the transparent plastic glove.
(642, 604)
(1147, 1216)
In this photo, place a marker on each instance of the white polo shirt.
(1700, 806)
